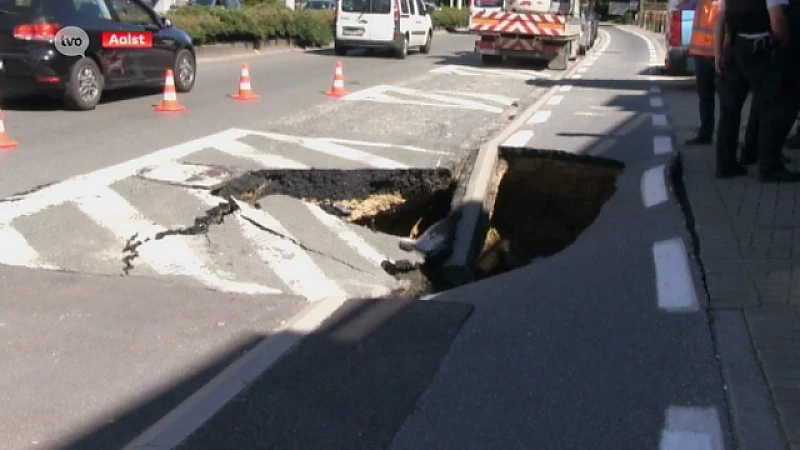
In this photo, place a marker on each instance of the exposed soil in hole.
(544, 201)
(398, 202)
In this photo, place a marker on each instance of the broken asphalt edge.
(471, 208)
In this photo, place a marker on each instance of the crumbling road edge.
(471, 207)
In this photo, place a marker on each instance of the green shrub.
(450, 17)
(261, 21)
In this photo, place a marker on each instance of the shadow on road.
(27, 101)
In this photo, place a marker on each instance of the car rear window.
(367, 6)
(61, 10)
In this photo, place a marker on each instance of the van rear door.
(540, 6)
(381, 21)
(353, 20)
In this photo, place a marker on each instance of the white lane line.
(576, 76)
(245, 151)
(518, 139)
(582, 69)
(555, 100)
(290, 262)
(16, 251)
(565, 88)
(347, 235)
(539, 117)
(674, 284)
(654, 187)
(170, 256)
(332, 149)
(662, 145)
(656, 102)
(692, 428)
(659, 120)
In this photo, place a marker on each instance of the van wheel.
(402, 51)
(339, 49)
(428, 42)
(86, 83)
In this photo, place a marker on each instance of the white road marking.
(329, 148)
(171, 255)
(539, 117)
(576, 77)
(86, 184)
(656, 102)
(518, 139)
(16, 250)
(674, 283)
(555, 100)
(196, 175)
(347, 235)
(484, 72)
(565, 88)
(409, 148)
(241, 150)
(659, 120)
(692, 428)
(654, 187)
(582, 69)
(379, 94)
(662, 145)
(290, 262)
(501, 99)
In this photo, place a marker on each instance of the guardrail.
(652, 20)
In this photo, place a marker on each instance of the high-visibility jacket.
(705, 15)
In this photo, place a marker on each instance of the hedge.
(270, 20)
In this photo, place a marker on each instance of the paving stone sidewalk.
(749, 246)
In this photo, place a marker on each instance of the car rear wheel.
(185, 71)
(339, 49)
(85, 86)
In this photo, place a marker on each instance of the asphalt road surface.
(605, 345)
(90, 345)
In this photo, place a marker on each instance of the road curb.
(472, 209)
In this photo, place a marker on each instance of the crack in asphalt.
(201, 226)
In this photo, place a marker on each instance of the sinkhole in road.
(400, 202)
(542, 201)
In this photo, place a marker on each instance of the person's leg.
(733, 88)
(750, 147)
(705, 76)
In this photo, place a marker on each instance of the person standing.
(701, 47)
(755, 30)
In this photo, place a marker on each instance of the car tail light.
(675, 28)
(36, 31)
(396, 11)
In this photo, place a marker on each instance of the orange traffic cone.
(245, 93)
(5, 142)
(337, 90)
(170, 102)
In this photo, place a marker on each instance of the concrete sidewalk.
(748, 236)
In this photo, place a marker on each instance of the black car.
(29, 59)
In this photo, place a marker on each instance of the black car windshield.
(367, 6)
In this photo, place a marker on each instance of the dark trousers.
(748, 67)
(705, 76)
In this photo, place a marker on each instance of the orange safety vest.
(705, 15)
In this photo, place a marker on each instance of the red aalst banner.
(117, 39)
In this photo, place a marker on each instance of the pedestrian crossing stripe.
(443, 99)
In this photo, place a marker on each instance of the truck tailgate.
(518, 23)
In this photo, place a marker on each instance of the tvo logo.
(72, 41)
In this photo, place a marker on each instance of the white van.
(397, 25)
